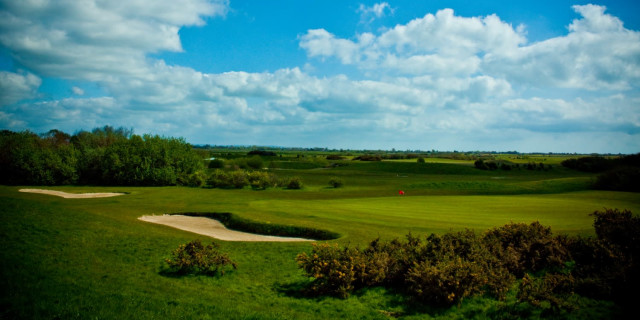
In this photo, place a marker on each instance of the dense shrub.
(259, 180)
(335, 157)
(553, 288)
(421, 160)
(261, 153)
(254, 162)
(608, 267)
(218, 179)
(334, 269)
(444, 282)
(526, 247)
(444, 269)
(194, 257)
(103, 156)
(588, 164)
(336, 182)
(624, 178)
(196, 179)
(238, 179)
(469, 247)
(479, 164)
(294, 183)
(457, 261)
(216, 164)
(368, 157)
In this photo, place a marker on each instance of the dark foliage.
(444, 269)
(294, 183)
(255, 162)
(216, 164)
(525, 248)
(335, 157)
(553, 288)
(194, 257)
(601, 164)
(262, 153)
(589, 164)
(105, 156)
(609, 266)
(623, 178)
(336, 182)
(492, 165)
(368, 157)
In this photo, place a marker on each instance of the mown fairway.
(92, 258)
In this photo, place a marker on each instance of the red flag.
(401, 192)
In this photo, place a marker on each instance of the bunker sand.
(72, 195)
(212, 228)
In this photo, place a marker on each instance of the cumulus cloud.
(319, 42)
(77, 91)
(378, 10)
(598, 53)
(434, 44)
(447, 80)
(96, 40)
(18, 86)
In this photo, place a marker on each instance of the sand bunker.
(212, 228)
(72, 195)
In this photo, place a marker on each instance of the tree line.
(104, 156)
(619, 174)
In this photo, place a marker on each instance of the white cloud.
(319, 42)
(434, 44)
(77, 91)
(96, 40)
(378, 10)
(17, 86)
(598, 53)
(442, 80)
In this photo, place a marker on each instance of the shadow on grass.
(396, 302)
(172, 273)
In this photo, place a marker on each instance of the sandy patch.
(73, 195)
(212, 228)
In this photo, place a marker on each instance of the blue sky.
(531, 76)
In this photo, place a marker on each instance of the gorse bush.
(526, 247)
(442, 270)
(336, 182)
(552, 288)
(258, 180)
(194, 257)
(444, 282)
(335, 269)
(608, 267)
(294, 183)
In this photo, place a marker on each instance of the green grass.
(92, 258)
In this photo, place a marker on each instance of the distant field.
(92, 258)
